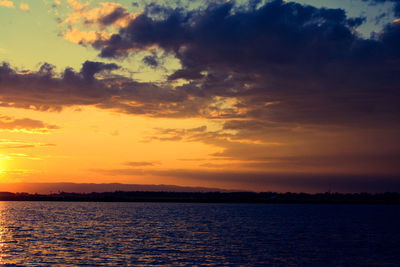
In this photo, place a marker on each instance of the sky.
(298, 96)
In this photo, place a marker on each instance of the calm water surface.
(142, 234)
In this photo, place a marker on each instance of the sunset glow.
(269, 96)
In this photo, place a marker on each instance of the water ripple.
(143, 234)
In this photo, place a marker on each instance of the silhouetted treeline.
(211, 197)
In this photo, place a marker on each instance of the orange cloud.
(80, 37)
(7, 3)
(25, 125)
(99, 19)
(24, 7)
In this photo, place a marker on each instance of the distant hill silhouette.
(48, 188)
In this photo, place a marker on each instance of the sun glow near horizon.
(3, 176)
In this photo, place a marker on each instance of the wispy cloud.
(16, 144)
(18, 156)
(141, 163)
(25, 125)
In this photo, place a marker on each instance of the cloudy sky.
(256, 95)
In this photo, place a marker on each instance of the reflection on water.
(142, 234)
(2, 239)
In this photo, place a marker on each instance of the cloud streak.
(25, 125)
(16, 144)
(136, 164)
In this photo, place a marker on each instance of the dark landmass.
(210, 197)
(48, 188)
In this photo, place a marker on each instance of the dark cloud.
(276, 63)
(108, 14)
(95, 85)
(43, 90)
(116, 14)
(224, 35)
(90, 68)
(356, 22)
(282, 61)
(151, 61)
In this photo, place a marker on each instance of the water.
(143, 234)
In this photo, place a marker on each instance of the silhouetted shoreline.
(211, 197)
